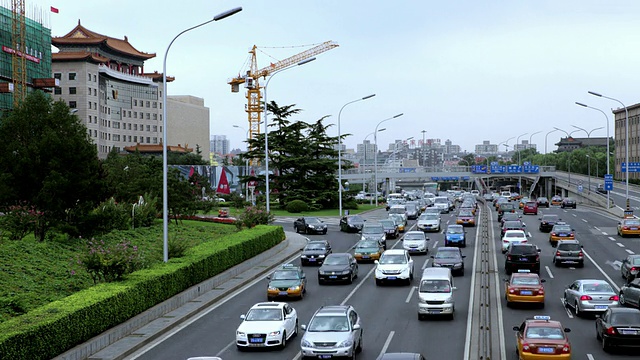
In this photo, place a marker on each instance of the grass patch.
(33, 273)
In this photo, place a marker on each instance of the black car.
(510, 217)
(542, 202)
(568, 203)
(619, 327)
(600, 189)
(449, 257)
(351, 223)
(522, 256)
(390, 228)
(338, 267)
(315, 252)
(310, 225)
(512, 225)
(506, 207)
(547, 222)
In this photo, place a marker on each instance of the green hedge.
(59, 326)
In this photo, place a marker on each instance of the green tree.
(47, 160)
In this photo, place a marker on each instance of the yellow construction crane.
(18, 62)
(250, 79)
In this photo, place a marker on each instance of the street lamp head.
(397, 116)
(581, 104)
(368, 96)
(383, 129)
(306, 61)
(409, 138)
(594, 93)
(227, 13)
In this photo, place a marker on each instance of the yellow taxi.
(287, 281)
(524, 287)
(541, 338)
(561, 231)
(556, 200)
(397, 218)
(629, 226)
(466, 218)
(367, 250)
(523, 201)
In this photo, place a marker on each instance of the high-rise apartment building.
(220, 145)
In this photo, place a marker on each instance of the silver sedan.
(590, 296)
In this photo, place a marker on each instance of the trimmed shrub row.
(59, 326)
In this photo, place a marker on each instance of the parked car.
(619, 327)
(630, 267)
(530, 207)
(590, 296)
(315, 252)
(351, 223)
(630, 294)
(542, 202)
(568, 203)
(568, 252)
(338, 267)
(267, 324)
(310, 225)
(338, 325)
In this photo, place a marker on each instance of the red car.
(530, 207)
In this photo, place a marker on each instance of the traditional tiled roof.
(155, 149)
(83, 36)
(156, 76)
(78, 55)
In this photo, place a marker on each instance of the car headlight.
(437, 265)
(295, 288)
(240, 333)
(320, 256)
(303, 256)
(305, 343)
(322, 273)
(378, 271)
(312, 227)
(346, 343)
(274, 333)
(346, 272)
(272, 288)
(459, 265)
(448, 300)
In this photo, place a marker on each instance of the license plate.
(325, 356)
(628, 332)
(563, 234)
(523, 259)
(413, 249)
(255, 340)
(546, 350)
(365, 256)
(434, 311)
(601, 307)
(312, 259)
(635, 228)
(282, 293)
(526, 292)
(333, 277)
(391, 278)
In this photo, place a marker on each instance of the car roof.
(333, 310)
(400, 356)
(620, 309)
(315, 242)
(513, 222)
(454, 226)
(449, 248)
(514, 231)
(568, 242)
(270, 304)
(338, 255)
(394, 252)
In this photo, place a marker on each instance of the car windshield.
(372, 229)
(414, 237)
(439, 200)
(316, 247)
(549, 218)
(635, 261)
(435, 286)
(429, 216)
(632, 222)
(543, 199)
(264, 315)
(465, 213)
(329, 323)
(393, 259)
(525, 280)
(397, 210)
(367, 245)
(454, 230)
(597, 288)
(515, 234)
(336, 260)
(625, 318)
(531, 203)
(513, 224)
(523, 250)
(510, 216)
(562, 228)
(547, 332)
(312, 220)
(507, 206)
(387, 223)
(355, 219)
(447, 255)
(569, 247)
(285, 275)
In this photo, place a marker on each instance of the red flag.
(54, 10)
(191, 171)
(223, 184)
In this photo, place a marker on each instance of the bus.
(431, 187)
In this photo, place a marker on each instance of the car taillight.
(541, 291)
(625, 228)
(566, 348)
(511, 291)
(633, 269)
(509, 257)
(585, 298)
(553, 234)
(505, 241)
(611, 330)
(558, 253)
(537, 257)
(526, 347)
(572, 234)
(614, 298)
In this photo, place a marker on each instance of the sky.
(464, 70)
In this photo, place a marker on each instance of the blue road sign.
(608, 182)
(465, 178)
(526, 163)
(435, 178)
(580, 188)
(633, 167)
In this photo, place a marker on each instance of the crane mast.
(251, 80)
(18, 61)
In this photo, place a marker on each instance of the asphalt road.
(389, 313)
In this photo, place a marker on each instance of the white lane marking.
(566, 309)
(386, 344)
(496, 280)
(604, 233)
(572, 214)
(590, 357)
(595, 227)
(435, 244)
(358, 286)
(612, 238)
(413, 288)
(529, 234)
(615, 286)
(629, 251)
(585, 220)
(549, 272)
(424, 266)
(471, 299)
(619, 244)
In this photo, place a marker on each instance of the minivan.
(435, 293)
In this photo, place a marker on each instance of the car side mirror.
(268, 277)
(506, 280)
(303, 327)
(433, 257)
(543, 280)
(539, 250)
(567, 330)
(619, 223)
(376, 262)
(540, 219)
(243, 316)
(516, 328)
(464, 256)
(357, 327)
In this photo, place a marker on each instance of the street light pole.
(589, 172)
(588, 132)
(340, 152)
(422, 147)
(545, 142)
(246, 164)
(608, 140)
(165, 166)
(266, 131)
(365, 162)
(519, 163)
(626, 143)
(375, 155)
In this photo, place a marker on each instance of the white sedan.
(267, 324)
(513, 236)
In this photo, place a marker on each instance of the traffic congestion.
(379, 284)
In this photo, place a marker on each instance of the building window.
(160, 117)
(72, 76)
(72, 90)
(148, 140)
(155, 128)
(148, 103)
(155, 140)
(129, 113)
(94, 78)
(72, 104)
(148, 116)
(155, 116)
(135, 127)
(135, 102)
(155, 104)
(148, 127)
(57, 76)
(57, 91)
(89, 105)
(129, 126)
(135, 139)
(88, 76)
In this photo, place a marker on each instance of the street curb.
(122, 340)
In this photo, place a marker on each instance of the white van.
(399, 209)
(435, 293)
(442, 203)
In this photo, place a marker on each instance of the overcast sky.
(465, 70)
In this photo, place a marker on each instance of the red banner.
(223, 184)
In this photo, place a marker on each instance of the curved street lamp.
(588, 132)
(266, 130)
(340, 152)
(626, 143)
(375, 155)
(165, 167)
